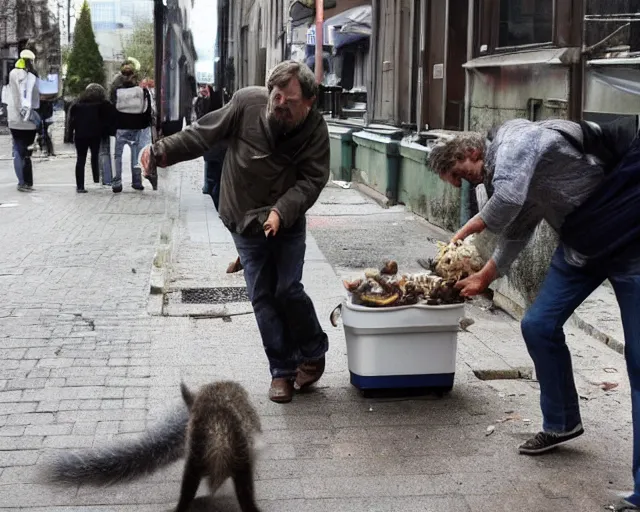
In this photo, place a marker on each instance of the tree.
(85, 62)
(139, 45)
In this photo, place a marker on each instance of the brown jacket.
(259, 175)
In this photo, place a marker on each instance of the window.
(612, 28)
(525, 22)
(103, 16)
(512, 25)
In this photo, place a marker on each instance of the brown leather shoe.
(309, 373)
(234, 266)
(281, 390)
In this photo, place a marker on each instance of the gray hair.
(282, 74)
(444, 156)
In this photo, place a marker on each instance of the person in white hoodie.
(22, 102)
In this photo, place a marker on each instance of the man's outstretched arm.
(195, 139)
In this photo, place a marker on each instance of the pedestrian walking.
(22, 102)
(133, 123)
(564, 173)
(276, 165)
(90, 120)
(210, 100)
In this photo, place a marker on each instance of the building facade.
(114, 20)
(438, 66)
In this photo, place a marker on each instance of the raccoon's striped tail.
(158, 447)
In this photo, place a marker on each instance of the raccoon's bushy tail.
(158, 447)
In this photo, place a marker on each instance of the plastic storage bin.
(402, 347)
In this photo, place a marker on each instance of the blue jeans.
(136, 140)
(563, 290)
(289, 327)
(105, 160)
(22, 165)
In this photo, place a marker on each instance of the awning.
(348, 27)
(562, 56)
(623, 79)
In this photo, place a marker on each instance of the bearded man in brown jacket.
(276, 165)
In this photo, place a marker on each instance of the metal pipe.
(467, 74)
(373, 62)
(445, 63)
(465, 192)
(421, 57)
(396, 63)
(319, 40)
(412, 36)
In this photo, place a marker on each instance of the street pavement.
(84, 364)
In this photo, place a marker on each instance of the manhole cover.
(214, 295)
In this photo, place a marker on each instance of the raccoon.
(216, 433)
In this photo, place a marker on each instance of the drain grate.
(214, 295)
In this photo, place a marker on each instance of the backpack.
(131, 100)
(608, 220)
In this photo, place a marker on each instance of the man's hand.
(272, 225)
(474, 225)
(478, 282)
(145, 160)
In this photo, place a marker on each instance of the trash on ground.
(490, 430)
(610, 370)
(512, 417)
(608, 386)
(342, 184)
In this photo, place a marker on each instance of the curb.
(597, 333)
(580, 320)
(381, 199)
(161, 264)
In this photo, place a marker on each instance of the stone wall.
(498, 95)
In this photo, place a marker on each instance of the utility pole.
(69, 22)
(319, 41)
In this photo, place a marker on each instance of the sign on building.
(311, 35)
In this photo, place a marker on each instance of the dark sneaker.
(22, 188)
(623, 505)
(544, 441)
(137, 187)
(81, 190)
(117, 189)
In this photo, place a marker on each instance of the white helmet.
(27, 54)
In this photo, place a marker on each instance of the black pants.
(82, 148)
(213, 169)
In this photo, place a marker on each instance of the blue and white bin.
(402, 347)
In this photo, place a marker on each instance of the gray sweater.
(536, 174)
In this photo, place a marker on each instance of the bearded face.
(287, 107)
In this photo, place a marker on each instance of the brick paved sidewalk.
(82, 364)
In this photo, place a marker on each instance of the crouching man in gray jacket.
(545, 170)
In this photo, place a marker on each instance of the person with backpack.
(584, 180)
(90, 118)
(133, 123)
(23, 101)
